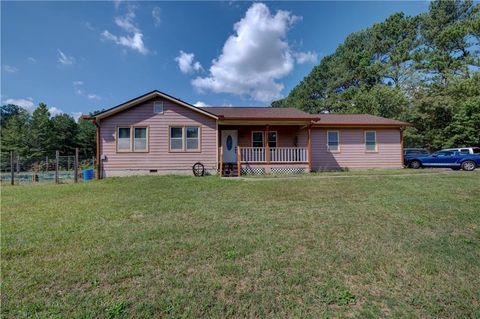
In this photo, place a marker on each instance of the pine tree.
(41, 133)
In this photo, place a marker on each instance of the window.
(192, 138)
(140, 139)
(128, 142)
(371, 141)
(476, 150)
(257, 139)
(464, 151)
(158, 107)
(124, 139)
(272, 139)
(333, 142)
(444, 153)
(176, 138)
(184, 138)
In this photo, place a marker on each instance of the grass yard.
(379, 246)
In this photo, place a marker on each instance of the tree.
(65, 131)
(422, 69)
(86, 138)
(42, 134)
(15, 129)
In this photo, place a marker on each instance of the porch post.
(309, 149)
(267, 147)
(239, 162)
(221, 160)
(401, 146)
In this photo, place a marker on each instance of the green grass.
(404, 246)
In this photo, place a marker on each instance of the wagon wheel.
(198, 169)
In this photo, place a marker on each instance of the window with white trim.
(124, 139)
(257, 139)
(272, 139)
(140, 139)
(333, 141)
(192, 138)
(176, 138)
(370, 141)
(132, 139)
(158, 107)
(184, 138)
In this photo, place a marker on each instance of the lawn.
(364, 247)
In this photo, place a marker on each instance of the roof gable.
(138, 100)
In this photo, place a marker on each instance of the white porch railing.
(288, 154)
(252, 154)
(275, 155)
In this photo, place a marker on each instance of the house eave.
(124, 106)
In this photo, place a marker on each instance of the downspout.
(97, 141)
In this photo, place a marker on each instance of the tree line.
(36, 135)
(422, 69)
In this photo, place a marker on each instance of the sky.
(78, 57)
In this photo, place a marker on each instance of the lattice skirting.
(248, 170)
(252, 171)
(288, 170)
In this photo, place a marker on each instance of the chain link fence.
(60, 169)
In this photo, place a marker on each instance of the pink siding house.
(158, 133)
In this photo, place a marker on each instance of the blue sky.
(83, 56)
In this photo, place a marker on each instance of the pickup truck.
(449, 159)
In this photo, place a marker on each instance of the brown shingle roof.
(290, 113)
(259, 113)
(356, 119)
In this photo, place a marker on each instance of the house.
(158, 133)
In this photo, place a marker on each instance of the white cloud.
(76, 115)
(134, 42)
(134, 39)
(79, 90)
(31, 59)
(306, 57)
(30, 106)
(93, 97)
(10, 68)
(54, 111)
(186, 62)
(89, 26)
(117, 3)
(77, 87)
(65, 59)
(127, 22)
(25, 103)
(200, 104)
(156, 16)
(254, 58)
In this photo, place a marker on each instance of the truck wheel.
(468, 165)
(415, 164)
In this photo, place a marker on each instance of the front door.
(229, 144)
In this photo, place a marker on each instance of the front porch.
(264, 149)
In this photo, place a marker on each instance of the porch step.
(229, 170)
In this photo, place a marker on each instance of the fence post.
(18, 163)
(12, 169)
(57, 158)
(68, 163)
(46, 163)
(75, 165)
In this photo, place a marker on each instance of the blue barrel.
(88, 174)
